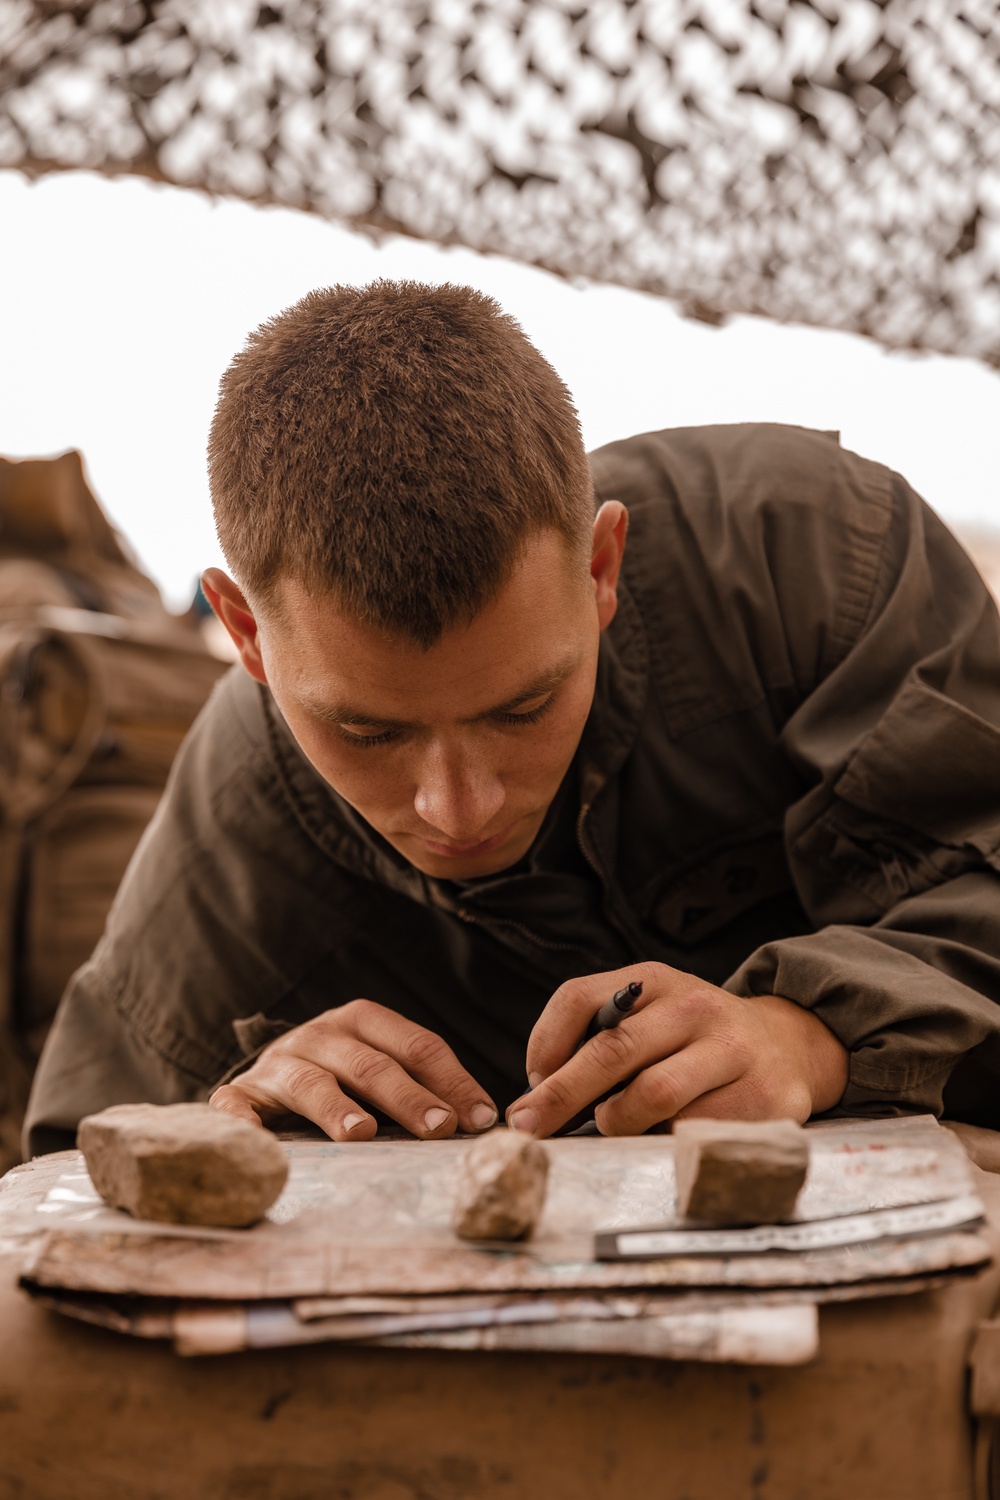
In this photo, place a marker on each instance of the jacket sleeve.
(93, 1058)
(895, 846)
(199, 950)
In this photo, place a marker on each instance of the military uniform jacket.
(789, 783)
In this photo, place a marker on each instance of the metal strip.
(820, 1234)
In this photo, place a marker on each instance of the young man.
(498, 747)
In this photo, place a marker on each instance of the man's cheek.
(343, 768)
(369, 790)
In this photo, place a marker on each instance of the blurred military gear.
(98, 685)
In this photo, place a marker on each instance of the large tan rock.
(735, 1172)
(501, 1191)
(183, 1163)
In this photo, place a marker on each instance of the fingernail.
(534, 1079)
(435, 1118)
(524, 1119)
(483, 1116)
(351, 1122)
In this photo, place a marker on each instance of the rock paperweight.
(501, 1191)
(735, 1172)
(183, 1163)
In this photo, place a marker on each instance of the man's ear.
(610, 528)
(236, 615)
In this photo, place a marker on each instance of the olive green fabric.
(789, 783)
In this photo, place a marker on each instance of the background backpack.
(98, 686)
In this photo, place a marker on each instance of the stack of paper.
(359, 1248)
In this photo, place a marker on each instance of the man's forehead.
(525, 641)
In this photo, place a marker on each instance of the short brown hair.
(396, 443)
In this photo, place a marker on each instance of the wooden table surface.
(882, 1414)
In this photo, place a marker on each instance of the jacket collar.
(619, 697)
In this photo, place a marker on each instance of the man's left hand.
(688, 1049)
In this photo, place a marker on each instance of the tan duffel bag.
(98, 686)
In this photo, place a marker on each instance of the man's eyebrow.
(546, 683)
(353, 714)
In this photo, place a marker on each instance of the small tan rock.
(734, 1172)
(502, 1187)
(183, 1163)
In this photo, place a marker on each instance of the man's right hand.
(402, 1069)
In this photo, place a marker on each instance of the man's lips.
(466, 851)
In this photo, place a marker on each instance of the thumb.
(562, 1026)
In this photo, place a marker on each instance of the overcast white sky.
(122, 302)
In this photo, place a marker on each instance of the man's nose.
(458, 794)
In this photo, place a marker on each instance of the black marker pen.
(614, 1010)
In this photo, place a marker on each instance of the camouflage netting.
(834, 162)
